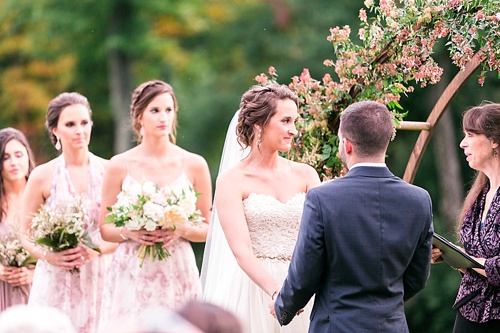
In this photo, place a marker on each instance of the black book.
(453, 255)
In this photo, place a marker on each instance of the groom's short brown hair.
(369, 126)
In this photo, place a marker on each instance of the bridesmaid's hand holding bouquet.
(150, 207)
(63, 226)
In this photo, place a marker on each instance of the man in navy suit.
(364, 244)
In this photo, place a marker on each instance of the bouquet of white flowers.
(63, 226)
(13, 254)
(148, 206)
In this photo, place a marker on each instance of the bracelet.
(45, 255)
(121, 235)
(274, 294)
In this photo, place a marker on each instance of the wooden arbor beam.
(435, 115)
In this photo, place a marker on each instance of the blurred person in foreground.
(35, 319)
(364, 243)
(478, 299)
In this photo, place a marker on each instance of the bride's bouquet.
(150, 207)
(63, 226)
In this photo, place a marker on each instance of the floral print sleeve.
(492, 268)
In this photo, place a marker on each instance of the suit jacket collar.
(370, 171)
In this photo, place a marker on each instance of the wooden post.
(435, 115)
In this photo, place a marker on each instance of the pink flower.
(261, 78)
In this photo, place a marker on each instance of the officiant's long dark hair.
(481, 119)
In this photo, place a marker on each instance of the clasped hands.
(165, 236)
(16, 276)
(71, 258)
(272, 311)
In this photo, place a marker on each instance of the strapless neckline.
(291, 199)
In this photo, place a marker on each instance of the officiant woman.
(478, 299)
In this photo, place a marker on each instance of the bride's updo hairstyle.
(257, 106)
(142, 96)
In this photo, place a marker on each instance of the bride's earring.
(141, 131)
(58, 143)
(258, 138)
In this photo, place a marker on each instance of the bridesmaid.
(16, 166)
(169, 283)
(74, 174)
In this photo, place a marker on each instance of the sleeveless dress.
(167, 284)
(77, 295)
(273, 227)
(10, 295)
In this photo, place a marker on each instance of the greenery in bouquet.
(390, 55)
(150, 207)
(63, 226)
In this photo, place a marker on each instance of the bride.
(258, 200)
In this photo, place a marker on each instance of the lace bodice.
(273, 225)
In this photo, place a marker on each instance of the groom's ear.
(347, 145)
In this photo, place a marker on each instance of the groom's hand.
(271, 309)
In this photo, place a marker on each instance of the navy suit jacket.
(363, 248)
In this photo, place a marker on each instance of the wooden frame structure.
(427, 128)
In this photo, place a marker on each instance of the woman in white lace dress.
(259, 203)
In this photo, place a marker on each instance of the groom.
(364, 244)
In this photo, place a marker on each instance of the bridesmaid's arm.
(36, 191)
(199, 175)
(114, 175)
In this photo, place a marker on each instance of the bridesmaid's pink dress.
(131, 289)
(77, 295)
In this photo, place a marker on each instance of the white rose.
(150, 225)
(133, 190)
(148, 188)
(134, 223)
(153, 211)
(188, 204)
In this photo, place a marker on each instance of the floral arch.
(393, 53)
